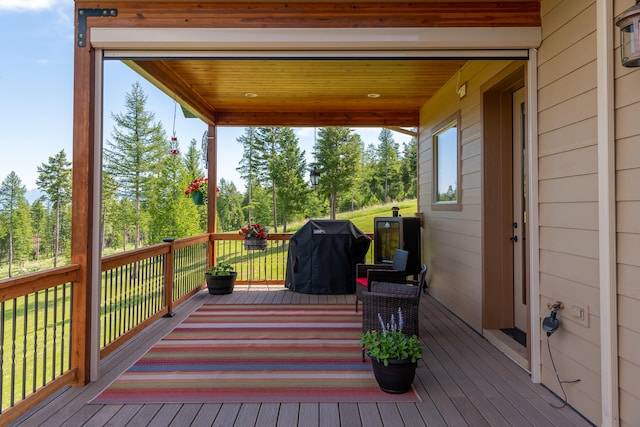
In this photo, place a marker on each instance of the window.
(446, 164)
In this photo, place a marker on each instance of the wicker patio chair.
(385, 298)
(385, 304)
(394, 272)
(421, 281)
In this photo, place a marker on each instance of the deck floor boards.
(462, 380)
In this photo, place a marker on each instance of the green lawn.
(363, 219)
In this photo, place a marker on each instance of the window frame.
(448, 123)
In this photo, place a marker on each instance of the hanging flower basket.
(253, 244)
(197, 189)
(255, 236)
(197, 197)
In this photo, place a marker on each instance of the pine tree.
(388, 166)
(14, 213)
(409, 168)
(134, 154)
(338, 153)
(108, 234)
(54, 179)
(288, 168)
(249, 165)
(171, 213)
(230, 216)
(39, 227)
(192, 161)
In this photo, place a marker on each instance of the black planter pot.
(395, 378)
(220, 285)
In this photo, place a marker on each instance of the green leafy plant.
(391, 343)
(221, 269)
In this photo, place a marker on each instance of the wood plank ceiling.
(304, 92)
(307, 91)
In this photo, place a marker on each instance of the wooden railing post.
(168, 278)
(212, 205)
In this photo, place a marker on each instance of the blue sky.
(36, 94)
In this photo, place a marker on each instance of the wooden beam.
(317, 14)
(409, 132)
(352, 119)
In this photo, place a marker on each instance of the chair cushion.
(362, 281)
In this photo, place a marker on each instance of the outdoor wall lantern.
(630, 35)
(314, 176)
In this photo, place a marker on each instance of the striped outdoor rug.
(255, 353)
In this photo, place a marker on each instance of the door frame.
(497, 199)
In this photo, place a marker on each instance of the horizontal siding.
(568, 211)
(627, 156)
(582, 243)
(563, 35)
(629, 380)
(580, 55)
(628, 217)
(581, 188)
(572, 110)
(571, 267)
(571, 85)
(570, 215)
(570, 137)
(555, 14)
(582, 161)
(629, 408)
(628, 280)
(627, 123)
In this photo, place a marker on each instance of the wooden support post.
(168, 279)
(212, 204)
(82, 209)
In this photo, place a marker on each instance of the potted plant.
(255, 236)
(393, 354)
(197, 189)
(220, 279)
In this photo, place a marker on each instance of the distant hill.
(33, 195)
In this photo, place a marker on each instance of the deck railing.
(140, 286)
(137, 288)
(35, 335)
(258, 266)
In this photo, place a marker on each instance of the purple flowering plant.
(390, 342)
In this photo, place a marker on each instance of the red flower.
(198, 185)
(254, 231)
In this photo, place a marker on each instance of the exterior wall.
(627, 130)
(568, 198)
(452, 240)
(567, 211)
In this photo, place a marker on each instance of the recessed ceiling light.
(374, 95)
(251, 95)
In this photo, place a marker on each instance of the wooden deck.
(462, 380)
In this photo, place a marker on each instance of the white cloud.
(27, 5)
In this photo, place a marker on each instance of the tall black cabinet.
(397, 232)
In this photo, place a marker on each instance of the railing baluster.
(62, 338)
(55, 331)
(13, 351)
(46, 335)
(25, 319)
(36, 307)
(2, 347)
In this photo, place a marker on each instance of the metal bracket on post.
(82, 21)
